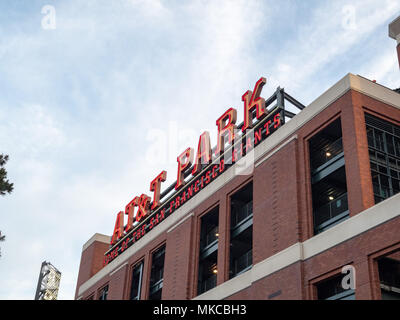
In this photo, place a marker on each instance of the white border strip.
(96, 237)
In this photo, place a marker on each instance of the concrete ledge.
(375, 90)
(96, 237)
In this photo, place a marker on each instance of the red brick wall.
(275, 203)
(177, 268)
(91, 262)
(118, 283)
(286, 284)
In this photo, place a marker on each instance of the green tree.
(5, 185)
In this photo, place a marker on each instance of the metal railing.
(156, 276)
(209, 238)
(382, 192)
(243, 262)
(154, 287)
(239, 214)
(329, 213)
(207, 284)
(319, 157)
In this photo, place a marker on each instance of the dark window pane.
(389, 276)
(332, 289)
(103, 293)
(241, 239)
(136, 281)
(382, 169)
(396, 146)
(157, 272)
(379, 144)
(326, 145)
(207, 276)
(380, 157)
(329, 196)
(385, 170)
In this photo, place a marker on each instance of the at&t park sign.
(196, 170)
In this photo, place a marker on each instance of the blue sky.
(93, 110)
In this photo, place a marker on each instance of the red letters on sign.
(226, 126)
(203, 152)
(143, 207)
(119, 228)
(130, 211)
(155, 186)
(254, 102)
(185, 160)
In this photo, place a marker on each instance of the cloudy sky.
(97, 97)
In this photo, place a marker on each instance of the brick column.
(275, 203)
(355, 146)
(363, 279)
(118, 283)
(177, 266)
(223, 239)
(92, 258)
(146, 276)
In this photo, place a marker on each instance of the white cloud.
(325, 37)
(31, 129)
(384, 69)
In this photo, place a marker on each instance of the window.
(332, 289)
(136, 283)
(389, 276)
(241, 244)
(103, 293)
(329, 199)
(384, 154)
(326, 146)
(328, 177)
(157, 272)
(208, 251)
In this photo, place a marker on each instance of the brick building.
(321, 199)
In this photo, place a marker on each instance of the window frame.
(139, 263)
(381, 170)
